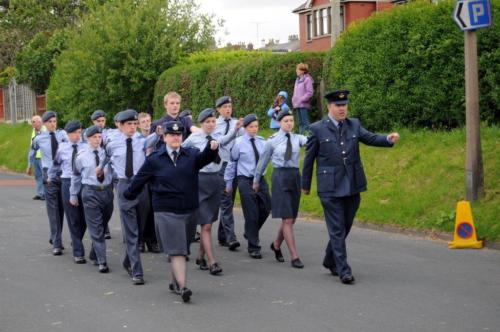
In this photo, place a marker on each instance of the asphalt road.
(403, 284)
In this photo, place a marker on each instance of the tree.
(21, 20)
(121, 49)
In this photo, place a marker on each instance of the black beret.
(223, 100)
(248, 119)
(97, 114)
(127, 115)
(186, 112)
(338, 97)
(92, 130)
(173, 127)
(48, 115)
(115, 118)
(283, 113)
(72, 126)
(205, 114)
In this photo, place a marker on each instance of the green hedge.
(252, 80)
(405, 67)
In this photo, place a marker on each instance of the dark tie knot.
(227, 120)
(287, 135)
(209, 138)
(129, 140)
(252, 139)
(52, 133)
(96, 152)
(74, 146)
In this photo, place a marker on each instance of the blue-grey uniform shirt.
(275, 151)
(199, 140)
(242, 161)
(84, 172)
(220, 129)
(116, 149)
(62, 161)
(42, 142)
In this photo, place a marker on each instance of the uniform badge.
(175, 127)
(341, 95)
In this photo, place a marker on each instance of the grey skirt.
(285, 198)
(209, 192)
(171, 230)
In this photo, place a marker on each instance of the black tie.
(288, 151)
(341, 123)
(255, 151)
(217, 159)
(73, 156)
(228, 121)
(100, 178)
(129, 160)
(53, 144)
(175, 155)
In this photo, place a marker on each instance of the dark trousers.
(129, 216)
(147, 232)
(76, 219)
(339, 215)
(256, 208)
(98, 207)
(225, 232)
(55, 210)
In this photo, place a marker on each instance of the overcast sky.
(274, 19)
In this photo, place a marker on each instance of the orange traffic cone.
(465, 232)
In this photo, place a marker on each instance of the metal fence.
(19, 102)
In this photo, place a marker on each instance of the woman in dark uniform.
(173, 176)
(283, 149)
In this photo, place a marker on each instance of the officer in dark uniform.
(334, 144)
(172, 172)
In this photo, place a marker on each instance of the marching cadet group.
(173, 176)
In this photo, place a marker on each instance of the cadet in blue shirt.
(209, 185)
(96, 193)
(64, 162)
(127, 153)
(48, 142)
(223, 124)
(283, 148)
(172, 173)
(278, 106)
(256, 206)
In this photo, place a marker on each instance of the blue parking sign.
(472, 14)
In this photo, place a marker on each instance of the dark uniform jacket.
(174, 188)
(339, 169)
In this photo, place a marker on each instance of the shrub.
(405, 67)
(252, 79)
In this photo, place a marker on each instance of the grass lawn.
(415, 184)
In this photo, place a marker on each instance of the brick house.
(315, 19)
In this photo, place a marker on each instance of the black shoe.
(255, 254)
(107, 235)
(128, 269)
(202, 263)
(79, 260)
(215, 269)
(57, 252)
(297, 263)
(153, 247)
(332, 268)
(223, 244)
(138, 280)
(197, 237)
(185, 293)
(42, 198)
(103, 268)
(37, 198)
(142, 247)
(277, 254)
(347, 279)
(174, 287)
(233, 245)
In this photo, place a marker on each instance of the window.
(341, 18)
(309, 27)
(318, 23)
(325, 18)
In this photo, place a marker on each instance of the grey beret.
(283, 113)
(92, 130)
(223, 100)
(97, 114)
(72, 126)
(127, 115)
(48, 115)
(249, 119)
(205, 114)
